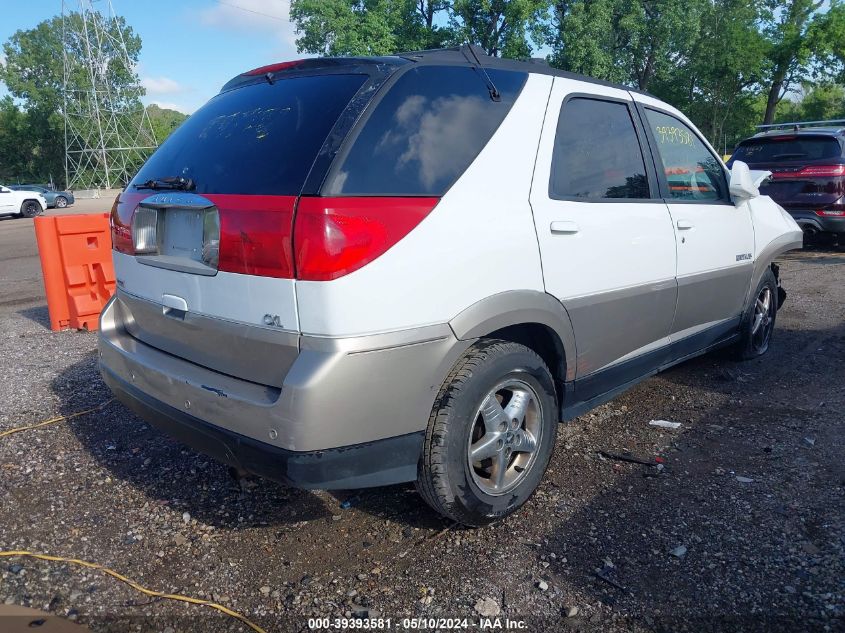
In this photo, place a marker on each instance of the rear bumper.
(349, 412)
(377, 463)
(807, 219)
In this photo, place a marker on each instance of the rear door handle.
(566, 227)
(684, 225)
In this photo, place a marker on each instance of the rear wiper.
(168, 182)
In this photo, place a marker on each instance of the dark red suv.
(808, 173)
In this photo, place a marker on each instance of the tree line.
(728, 64)
(32, 130)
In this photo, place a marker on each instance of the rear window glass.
(786, 149)
(260, 139)
(425, 132)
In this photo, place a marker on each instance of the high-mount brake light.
(336, 236)
(275, 68)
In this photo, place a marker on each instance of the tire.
(519, 383)
(60, 202)
(30, 208)
(758, 321)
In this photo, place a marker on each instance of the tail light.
(336, 236)
(255, 234)
(121, 223)
(813, 171)
(329, 238)
(833, 211)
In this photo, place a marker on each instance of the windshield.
(259, 139)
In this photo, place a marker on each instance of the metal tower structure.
(108, 133)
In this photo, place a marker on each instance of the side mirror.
(5, 190)
(743, 186)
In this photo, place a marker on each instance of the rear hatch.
(808, 170)
(296, 173)
(203, 234)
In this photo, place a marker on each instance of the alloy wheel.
(505, 437)
(763, 321)
(31, 209)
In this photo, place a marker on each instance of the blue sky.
(190, 47)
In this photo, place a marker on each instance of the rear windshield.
(259, 139)
(772, 150)
(425, 132)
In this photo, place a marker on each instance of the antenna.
(108, 133)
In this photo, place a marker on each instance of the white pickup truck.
(26, 204)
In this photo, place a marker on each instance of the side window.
(597, 154)
(692, 172)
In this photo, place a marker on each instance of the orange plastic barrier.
(75, 253)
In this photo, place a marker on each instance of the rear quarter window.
(773, 150)
(425, 132)
(259, 139)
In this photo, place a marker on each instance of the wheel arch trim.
(793, 240)
(518, 307)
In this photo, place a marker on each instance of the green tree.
(501, 27)
(823, 102)
(34, 68)
(380, 27)
(34, 74)
(818, 102)
(15, 145)
(164, 121)
(582, 38)
(367, 27)
(628, 42)
(807, 38)
(718, 84)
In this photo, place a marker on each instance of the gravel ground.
(741, 529)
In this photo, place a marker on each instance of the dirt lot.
(742, 530)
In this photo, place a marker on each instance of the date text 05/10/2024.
(417, 624)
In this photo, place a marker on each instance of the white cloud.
(266, 16)
(166, 105)
(161, 85)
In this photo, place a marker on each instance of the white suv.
(343, 273)
(26, 204)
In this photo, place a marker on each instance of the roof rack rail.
(797, 125)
